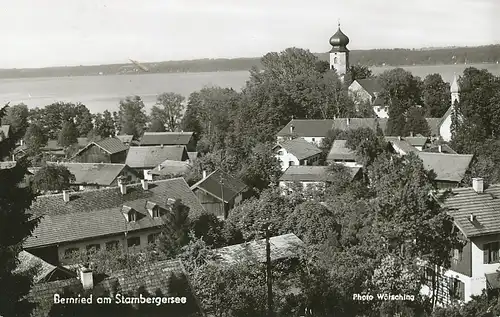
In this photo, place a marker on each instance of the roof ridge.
(121, 164)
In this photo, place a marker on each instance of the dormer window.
(132, 216)
(129, 213)
(153, 209)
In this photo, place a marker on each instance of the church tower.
(455, 91)
(339, 54)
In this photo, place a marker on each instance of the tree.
(52, 117)
(104, 125)
(416, 123)
(16, 224)
(366, 144)
(35, 139)
(174, 234)
(52, 178)
(156, 126)
(17, 117)
(261, 168)
(357, 72)
(132, 116)
(169, 109)
(68, 134)
(83, 120)
(436, 96)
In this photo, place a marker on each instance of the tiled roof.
(371, 85)
(345, 124)
(126, 138)
(153, 277)
(98, 212)
(169, 167)
(212, 184)
(28, 261)
(166, 138)
(307, 128)
(151, 156)
(434, 124)
(446, 115)
(339, 152)
(448, 167)
(5, 129)
(485, 207)
(112, 145)
(445, 148)
(417, 140)
(282, 247)
(299, 148)
(52, 146)
(401, 145)
(103, 174)
(193, 156)
(301, 173)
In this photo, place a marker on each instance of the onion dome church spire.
(339, 54)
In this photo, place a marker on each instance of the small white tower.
(339, 54)
(455, 90)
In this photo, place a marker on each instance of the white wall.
(358, 93)
(147, 176)
(285, 158)
(445, 129)
(381, 113)
(341, 65)
(314, 140)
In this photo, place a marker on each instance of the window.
(92, 248)
(457, 255)
(280, 152)
(313, 139)
(70, 252)
(335, 60)
(134, 241)
(490, 252)
(112, 245)
(153, 237)
(290, 163)
(428, 276)
(132, 216)
(156, 212)
(457, 289)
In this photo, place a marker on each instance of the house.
(156, 279)
(45, 272)
(340, 154)
(4, 131)
(419, 141)
(450, 169)
(167, 138)
(282, 247)
(296, 152)
(440, 148)
(98, 175)
(146, 158)
(219, 192)
(400, 145)
(127, 216)
(310, 130)
(109, 150)
(170, 169)
(125, 138)
(475, 266)
(368, 90)
(310, 176)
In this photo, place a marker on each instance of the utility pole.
(269, 277)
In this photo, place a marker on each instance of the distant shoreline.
(372, 58)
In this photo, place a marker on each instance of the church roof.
(339, 39)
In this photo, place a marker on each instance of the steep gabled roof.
(95, 213)
(152, 156)
(5, 130)
(417, 140)
(299, 148)
(282, 247)
(166, 138)
(345, 124)
(371, 85)
(112, 145)
(220, 184)
(401, 145)
(307, 128)
(448, 167)
(169, 167)
(462, 202)
(29, 261)
(103, 174)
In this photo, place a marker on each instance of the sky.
(37, 33)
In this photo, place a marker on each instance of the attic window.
(132, 216)
(156, 212)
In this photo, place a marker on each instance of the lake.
(101, 93)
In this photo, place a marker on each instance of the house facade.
(127, 216)
(219, 192)
(368, 90)
(474, 267)
(110, 150)
(296, 152)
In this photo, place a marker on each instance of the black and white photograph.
(250, 158)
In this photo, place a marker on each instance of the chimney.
(66, 196)
(122, 185)
(86, 278)
(291, 129)
(144, 184)
(21, 142)
(440, 148)
(348, 121)
(204, 174)
(478, 185)
(472, 218)
(399, 138)
(411, 133)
